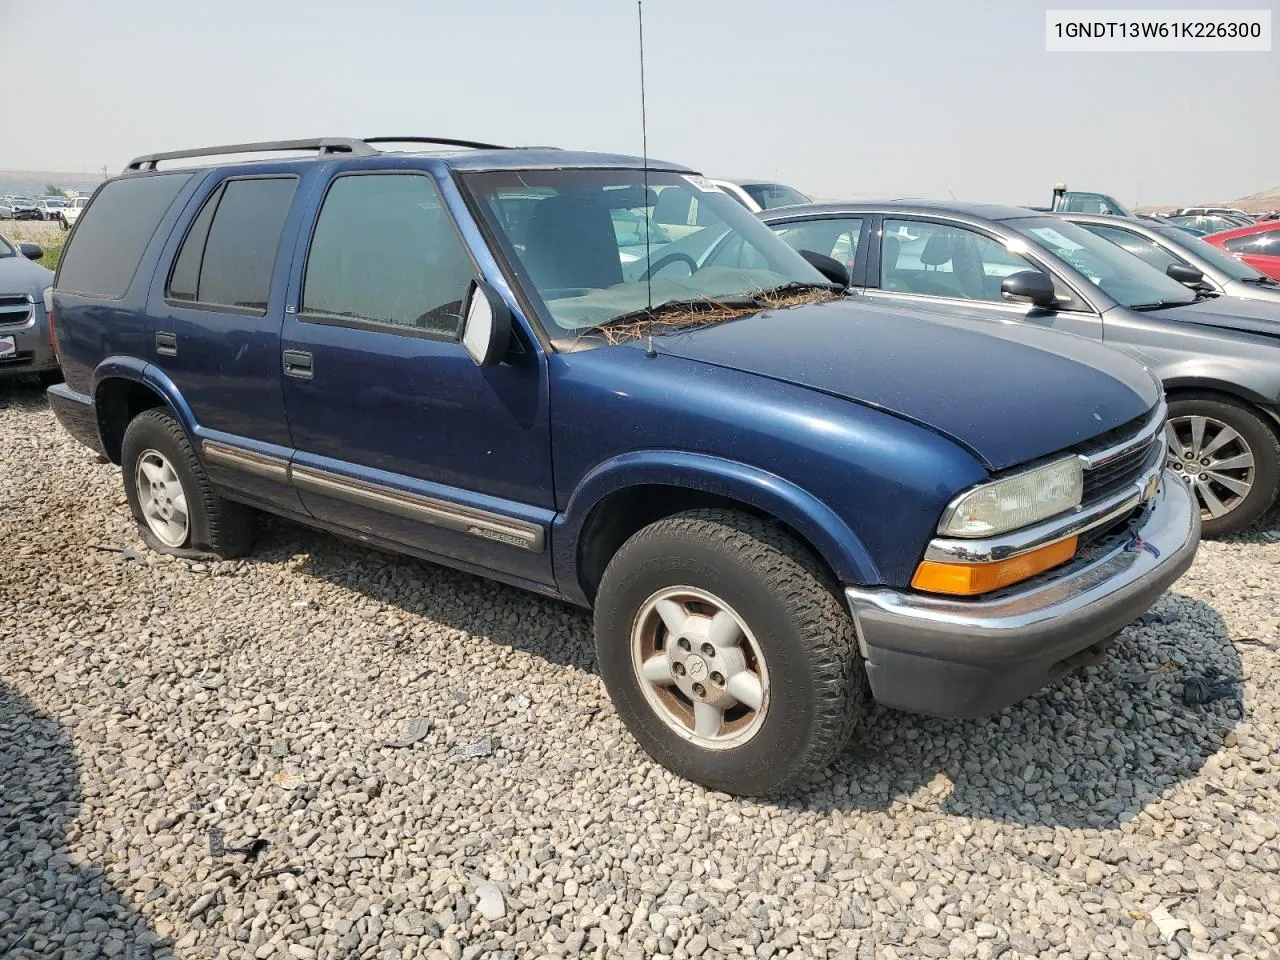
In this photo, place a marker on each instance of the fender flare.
(828, 534)
(140, 371)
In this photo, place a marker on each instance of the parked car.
(1165, 246)
(1208, 223)
(1257, 245)
(761, 195)
(1219, 358)
(1079, 201)
(71, 212)
(25, 343)
(50, 208)
(766, 505)
(1212, 211)
(19, 208)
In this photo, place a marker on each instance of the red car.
(1258, 245)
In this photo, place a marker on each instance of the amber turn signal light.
(970, 579)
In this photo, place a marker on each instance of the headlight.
(1016, 501)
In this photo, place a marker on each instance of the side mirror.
(486, 324)
(829, 267)
(1184, 274)
(32, 251)
(1029, 286)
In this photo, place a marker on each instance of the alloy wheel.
(1214, 459)
(162, 499)
(700, 667)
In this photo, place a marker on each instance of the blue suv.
(779, 500)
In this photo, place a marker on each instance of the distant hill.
(33, 182)
(1264, 201)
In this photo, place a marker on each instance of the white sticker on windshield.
(702, 183)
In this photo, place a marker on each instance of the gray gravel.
(325, 752)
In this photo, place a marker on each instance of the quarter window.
(228, 256)
(385, 251)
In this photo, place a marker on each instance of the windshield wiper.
(1261, 281)
(1159, 305)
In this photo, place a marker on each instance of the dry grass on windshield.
(670, 322)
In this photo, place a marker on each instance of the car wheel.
(170, 496)
(1228, 456)
(727, 653)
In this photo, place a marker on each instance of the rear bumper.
(77, 414)
(958, 658)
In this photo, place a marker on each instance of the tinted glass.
(1139, 246)
(1122, 276)
(111, 235)
(939, 260)
(185, 279)
(770, 195)
(588, 274)
(240, 250)
(1266, 243)
(386, 251)
(837, 237)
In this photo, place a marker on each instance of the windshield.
(770, 195)
(1228, 264)
(54, 202)
(1122, 276)
(578, 238)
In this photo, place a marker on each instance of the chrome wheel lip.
(1221, 472)
(161, 498)
(740, 666)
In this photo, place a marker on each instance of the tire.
(212, 524)
(799, 644)
(1253, 437)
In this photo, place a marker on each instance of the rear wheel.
(727, 653)
(170, 497)
(1228, 456)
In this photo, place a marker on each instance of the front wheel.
(1229, 457)
(171, 499)
(727, 653)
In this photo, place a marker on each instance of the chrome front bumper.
(966, 658)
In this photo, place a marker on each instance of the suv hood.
(20, 275)
(1231, 313)
(1007, 392)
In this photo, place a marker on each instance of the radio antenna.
(644, 147)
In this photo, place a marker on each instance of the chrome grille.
(1119, 457)
(15, 308)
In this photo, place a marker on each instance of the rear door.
(218, 310)
(398, 434)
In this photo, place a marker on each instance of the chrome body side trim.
(250, 461)
(1074, 523)
(422, 509)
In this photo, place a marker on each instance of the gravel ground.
(324, 752)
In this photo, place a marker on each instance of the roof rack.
(325, 146)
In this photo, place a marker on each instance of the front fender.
(768, 493)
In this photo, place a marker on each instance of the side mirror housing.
(1029, 286)
(1184, 274)
(486, 324)
(829, 267)
(32, 251)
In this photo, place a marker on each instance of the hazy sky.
(837, 97)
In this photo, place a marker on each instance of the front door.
(217, 332)
(945, 264)
(399, 435)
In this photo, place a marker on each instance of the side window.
(836, 238)
(385, 251)
(1139, 246)
(229, 253)
(111, 236)
(939, 260)
(1266, 243)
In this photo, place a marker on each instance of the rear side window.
(386, 252)
(229, 253)
(1266, 242)
(103, 255)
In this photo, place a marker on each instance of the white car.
(70, 213)
(50, 208)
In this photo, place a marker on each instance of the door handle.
(166, 343)
(298, 363)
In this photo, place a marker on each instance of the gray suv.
(1219, 357)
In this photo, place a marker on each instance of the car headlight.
(1016, 501)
